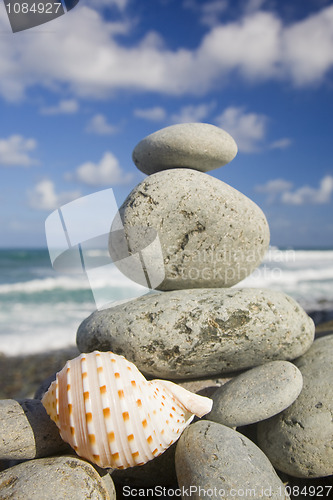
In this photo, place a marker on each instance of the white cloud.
(64, 107)
(154, 114)
(106, 172)
(283, 143)
(281, 190)
(248, 129)
(308, 195)
(84, 54)
(192, 113)
(99, 125)
(274, 188)
(44, 196)
(15, 151)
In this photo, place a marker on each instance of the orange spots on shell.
(162, 432)
(111, 437)
(75, 448)
(171, 415)
(167, 422)
(113, 360)
(92, 438)
(97, 353)
(163, 397)
(125, 416)
(70, 408)
(106, 412)
(162, 403)
(96, 457)
(102, 389)
(68, 387)
(173, 408)
(133, 383)
(88, 417)
(84, 375)
(130, 437)
(72, 431)
(144, 423)
(129, 368)
(115, 456)
(100, 369)
(155, 451)
(139, 403)
(117, 375)
(86, 395)
(149, 440)
(154, 412)
(83, 359)
(121, 393)
(135, 454)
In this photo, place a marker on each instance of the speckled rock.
(211, 235)
(256, 394)
(299, 441)
(55, 478)
(196, 333)
(199, 146)
(217, 459)
(27, 431)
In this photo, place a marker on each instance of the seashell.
(112, 416)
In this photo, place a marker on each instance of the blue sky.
(78, 93)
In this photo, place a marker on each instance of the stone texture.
(199, 146)
(55, 478)
(196, 333)
(27, 431)
(299, 441)
(216, 458)
(210, 234)
(256, 394)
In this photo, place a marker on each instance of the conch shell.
(112, 416)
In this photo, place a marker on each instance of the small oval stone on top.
(199, 146)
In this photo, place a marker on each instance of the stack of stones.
(269, 416)
(197, 329)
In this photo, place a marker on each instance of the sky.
(79, 92)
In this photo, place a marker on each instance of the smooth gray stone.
(218, 459)
(257, 394)
(199, 146)
(299, 441)
(197, 333)
(27, 431)
(56, 478)
(211, 235)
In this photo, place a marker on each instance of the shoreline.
(21, 376)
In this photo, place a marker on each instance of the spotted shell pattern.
(112, 416)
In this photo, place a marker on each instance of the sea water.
(41, 309)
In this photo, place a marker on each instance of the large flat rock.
(196, 333)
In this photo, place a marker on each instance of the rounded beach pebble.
(211, 235)
(256, 394)
(199, 146)
(224, 464)
(299, 441)
(196, 333)
(55, 478)
(27, 431)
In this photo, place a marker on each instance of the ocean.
(41, 309)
